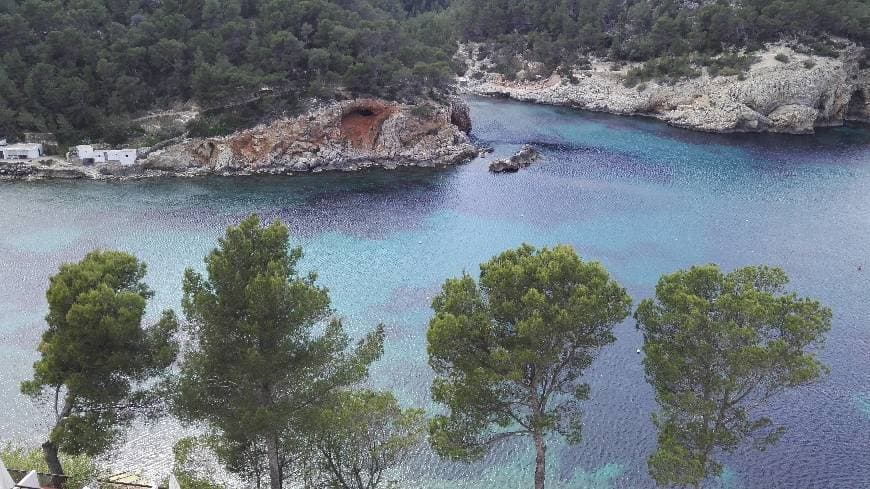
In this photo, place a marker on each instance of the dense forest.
(80, 68)
(636, 30)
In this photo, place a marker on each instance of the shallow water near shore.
(640, 197)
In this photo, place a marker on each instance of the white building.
(88, 155)
(21, 151)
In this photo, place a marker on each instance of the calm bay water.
(642, 198)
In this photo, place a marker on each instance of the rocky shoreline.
(784, 91)
(341, 136)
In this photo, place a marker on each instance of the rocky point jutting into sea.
(344, 136)
(784, 91)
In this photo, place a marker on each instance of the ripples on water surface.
(642, 198)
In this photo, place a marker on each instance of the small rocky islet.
(521, 159)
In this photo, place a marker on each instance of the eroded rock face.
(460, 115)
(793, 97)
(346, 136)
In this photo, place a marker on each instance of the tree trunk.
(49, 450)
(540, 459)
(275, 481)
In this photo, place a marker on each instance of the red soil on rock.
(361, 123)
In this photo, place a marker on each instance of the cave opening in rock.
(361, 125)
(857, 108)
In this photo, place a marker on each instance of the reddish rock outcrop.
(361, 122)
(341, 136)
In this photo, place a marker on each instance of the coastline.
(794, 97)
(342, 136)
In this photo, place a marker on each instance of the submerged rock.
(521, 159)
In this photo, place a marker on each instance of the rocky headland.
(344, 136)
(340, 136)
(783, 91)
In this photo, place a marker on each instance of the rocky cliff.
(346, 136)
(792, 96)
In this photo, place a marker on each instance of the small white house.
(21, 151)
(122, 156)
(88, 155)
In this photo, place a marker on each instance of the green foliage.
(266, 350)
(728, 64)
(358, 437)
(82, 69)
(185, 469)
(509, 352)
(717, 347)
(219, 124)
(80, 469)
(668, 69)
(818, 47)
(424, 111)
(552, 30)
(74, 68)
(99, 367)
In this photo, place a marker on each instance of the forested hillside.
(79, 68)
(636, 30)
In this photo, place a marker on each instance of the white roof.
(30, 481)
(6, 481)
(173, 482)
(25, 146)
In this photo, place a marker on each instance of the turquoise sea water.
(642, 198)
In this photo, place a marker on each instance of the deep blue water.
(640, 197)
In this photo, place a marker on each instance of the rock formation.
(521, 159)
(795, 96)
(344, 136)
(42, 169)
